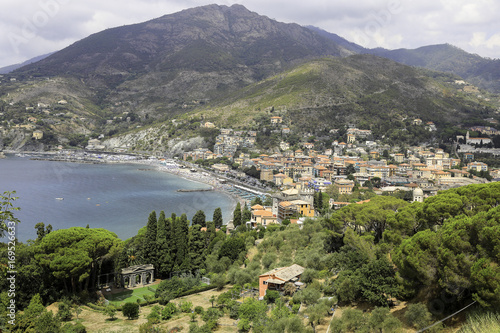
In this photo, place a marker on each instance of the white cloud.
(371, 23)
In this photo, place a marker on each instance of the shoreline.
(172, 167)
(197, 177)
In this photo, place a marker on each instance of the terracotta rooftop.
(286, 273)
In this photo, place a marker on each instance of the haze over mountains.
(220, 61)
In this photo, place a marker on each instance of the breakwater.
(195, 190)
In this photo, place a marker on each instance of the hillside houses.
(299, 173)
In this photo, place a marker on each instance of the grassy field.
(130, 295)
(96, 321)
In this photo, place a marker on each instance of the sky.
(30, 28)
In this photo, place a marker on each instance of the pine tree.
(237, 215)
(217, 218)
(149, 247)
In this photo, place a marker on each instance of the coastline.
(172, 167)
(200, 177)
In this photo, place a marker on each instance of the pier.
(196, 190)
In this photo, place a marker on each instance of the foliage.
(232, 248)
(110, 311)
(185, 307)
(462, 254)
(155, 315)
(130, 310)
(75, 254)
(418, 316)
(271, 296)
(237, 215)
(168, 311)
(7, 219)
(379, 320)
(199, 218)
(64, 311)
(217, 218)
(481, 322)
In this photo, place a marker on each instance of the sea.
(118, 197)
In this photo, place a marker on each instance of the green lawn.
(130, 295)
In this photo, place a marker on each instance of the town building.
(276, 279)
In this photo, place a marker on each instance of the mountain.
(196, 53)
(339, 40)
(230, 65)
(8, 69)
(480, 71)
(369, 91)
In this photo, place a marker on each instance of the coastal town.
(414, 173)
(290, 175)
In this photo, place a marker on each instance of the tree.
(246, 215)
(180, 239)
(32, 315)
(154, 316)
(168, 311)
(199, 218)
(163, 241)
(75, 254)
(197, 247)
(217, 218)
(271, 296)
(212, 300)
(130, 310)
(64, 311)
(418, 316)
(150, 248)
(232, 247)
(110, 311)
(256, 201)
(41, 231)
(7, 219)
(237, 215)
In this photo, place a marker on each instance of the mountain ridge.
(218, 57)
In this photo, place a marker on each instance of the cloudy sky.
(34, 27)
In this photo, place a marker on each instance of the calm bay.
(117, 197)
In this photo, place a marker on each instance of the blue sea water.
(117, 197)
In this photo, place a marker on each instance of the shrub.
(271, 296)
(168, 311)
(418, 316)
(185, 307)
(130, 310)
(154, 315)
(77, 328)
(64, 311)
(110, 310)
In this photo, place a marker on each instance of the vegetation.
(439, 256)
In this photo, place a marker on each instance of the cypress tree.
(320, 201)
(196, 247)
(181, 241)
(247, 215)
(217, 219)
(149, 247)
(237, 215)
(162, 241)
(199, 218)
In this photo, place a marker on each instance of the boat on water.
(59, 198)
